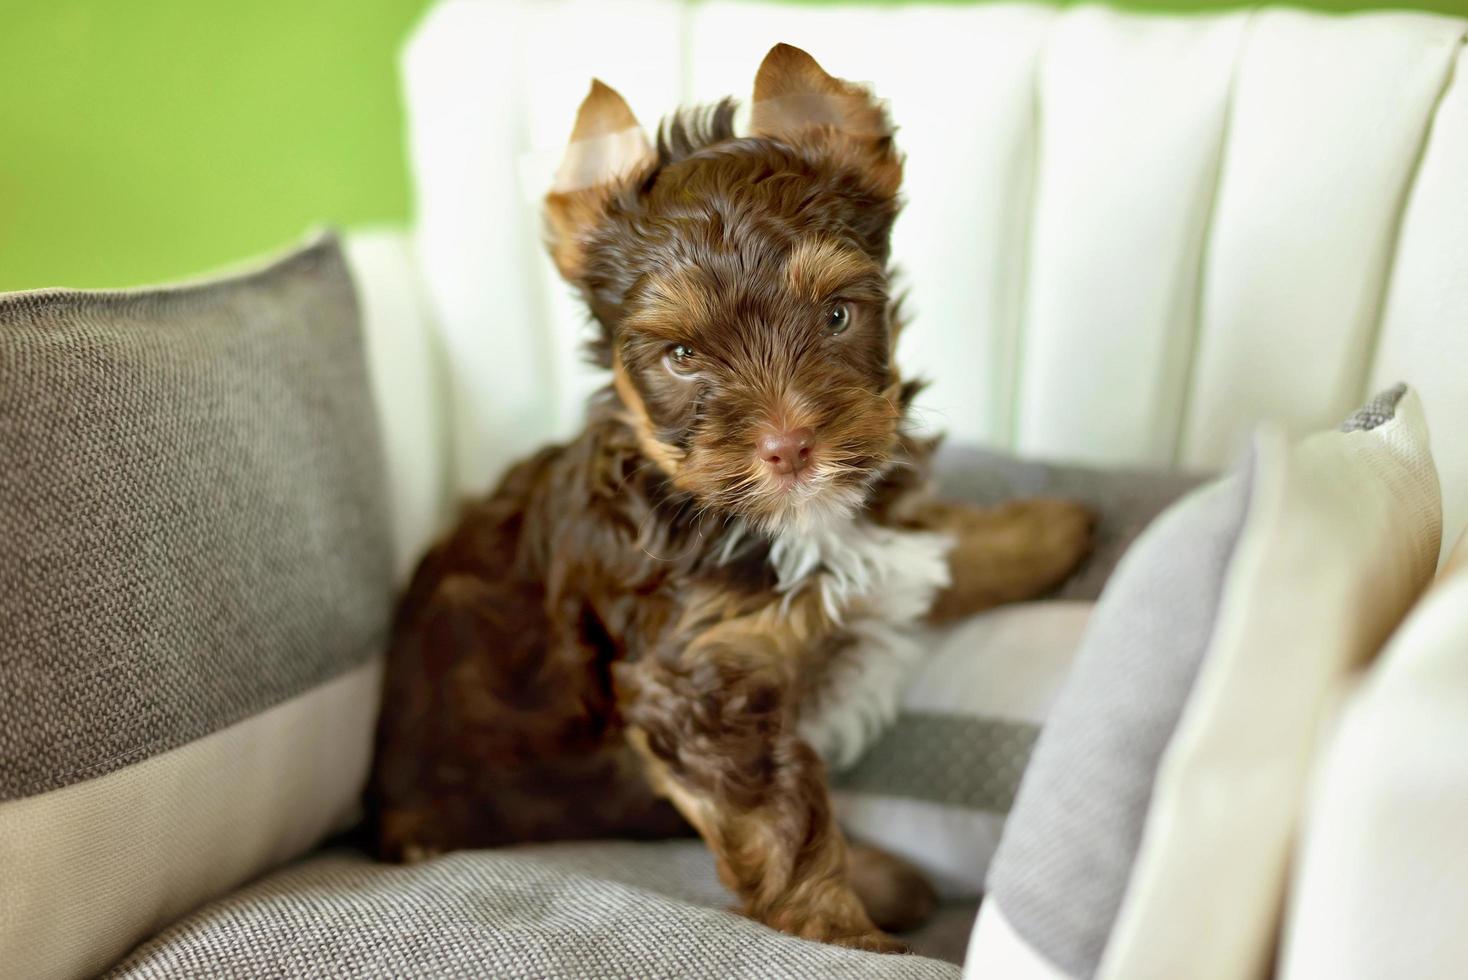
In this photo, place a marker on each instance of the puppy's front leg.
(716, 724)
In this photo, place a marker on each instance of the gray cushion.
(640, 911)
(1062, 867)
(956, 760)
(192, 510)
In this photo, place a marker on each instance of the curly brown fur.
(639, 631)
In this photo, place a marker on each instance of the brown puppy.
(675, 618)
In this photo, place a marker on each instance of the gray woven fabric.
(192, 512)
(1380, 409)
(1125, 500)
(957, 760)
(605, 910)
(1062, 867)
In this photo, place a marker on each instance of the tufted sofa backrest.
(1127, 237)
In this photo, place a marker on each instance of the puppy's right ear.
(608, 151)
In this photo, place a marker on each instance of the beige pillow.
(1381, 884)
(1343, 533)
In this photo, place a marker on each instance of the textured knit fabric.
(952, 759)
(604, 910)
(1377, 411)
(191, 509)
(1063, 866)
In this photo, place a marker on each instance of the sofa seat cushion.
(605, 909)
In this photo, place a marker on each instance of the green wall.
(148, 139)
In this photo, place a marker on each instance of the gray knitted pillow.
(195, 586)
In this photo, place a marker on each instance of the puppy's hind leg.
(895, 894)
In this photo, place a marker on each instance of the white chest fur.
(877, 582)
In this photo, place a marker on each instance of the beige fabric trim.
(952, 845)
(90, 870)
(1007, 663)
(1342, 535)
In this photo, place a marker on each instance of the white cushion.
(1127, 103)
(1342, 534)
(1381, 885)
(1326, 123)
(1424, 326)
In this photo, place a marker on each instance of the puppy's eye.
(680, 359)
(838, 318)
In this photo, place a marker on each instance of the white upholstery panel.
(1424, 331)
(1127, 239)
(474, 240)
(565, 42)
(404, 361)
(476, 129)
(1132, 118)
(960, 242)
(1328, 119)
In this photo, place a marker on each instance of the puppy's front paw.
(418, 853)
(875, 941)
(405, 837)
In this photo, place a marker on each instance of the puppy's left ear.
(608, 152)
(796, 101)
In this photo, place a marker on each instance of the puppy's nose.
(786, 452)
